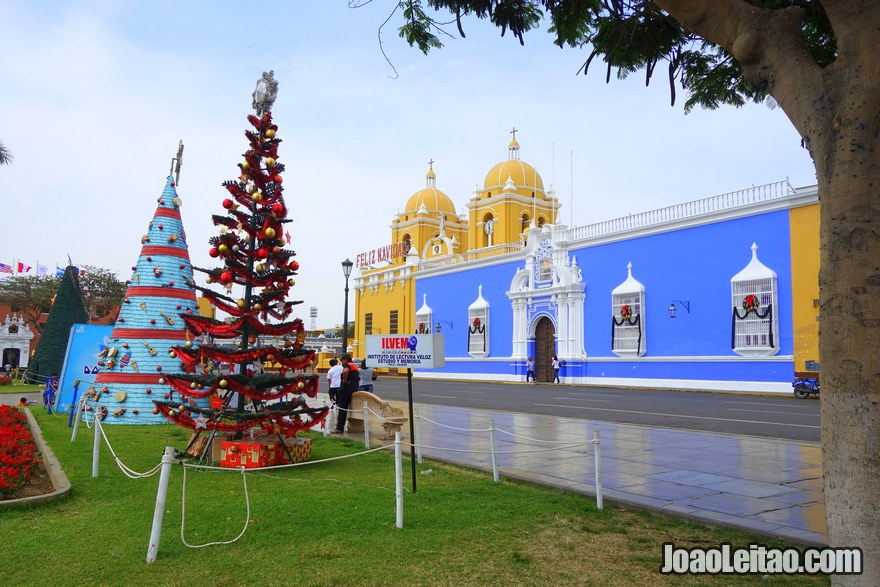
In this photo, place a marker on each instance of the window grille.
(392, 319)
(368, 323)
(754, 318)
(478, 326)
(627, 317)
(424, 317)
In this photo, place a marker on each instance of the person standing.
(530, 369)
(555, 364)
(334, 379)
(366, 374)
(350, 382)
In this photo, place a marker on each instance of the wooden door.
(545, 348)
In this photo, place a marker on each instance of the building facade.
(719, 293)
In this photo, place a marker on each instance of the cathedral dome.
(433, 199)
(521, 173)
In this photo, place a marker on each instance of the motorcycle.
(804, 387)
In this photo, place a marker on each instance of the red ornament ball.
(149, 390)
(227, 203)
(159, 368)
(226, 277)
(278, 179)
(262, 253)
(153, 321)
(277, 208)
(294, 265)
(149, 258)
(155, 410)
(179, 306)
(214, 252)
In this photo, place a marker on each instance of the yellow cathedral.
(497, 221)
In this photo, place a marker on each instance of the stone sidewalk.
(769, 486)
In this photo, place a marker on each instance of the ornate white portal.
(549, 285)
(15, 341)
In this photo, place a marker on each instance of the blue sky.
(95, 95)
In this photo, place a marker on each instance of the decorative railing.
(729, 201)
(472, 255)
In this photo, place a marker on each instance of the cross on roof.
(513, 132)
(431, 163)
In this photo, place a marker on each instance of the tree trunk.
(849, 328)
(837, 111)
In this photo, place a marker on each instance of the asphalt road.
(777, 416)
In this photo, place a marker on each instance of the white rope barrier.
(247, 519)
(291, 465)
(126, 470)
(532, 439)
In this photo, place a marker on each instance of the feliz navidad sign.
(405, 351)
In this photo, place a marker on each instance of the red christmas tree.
(251, 248)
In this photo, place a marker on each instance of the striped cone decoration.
(137, 355)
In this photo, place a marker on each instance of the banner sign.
(81, 362)
(386, 253)
(402, 351)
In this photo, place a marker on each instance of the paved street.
(777, 416)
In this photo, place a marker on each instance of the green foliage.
(629, 36)
(5, 155)
(29, 295)
(101, 290)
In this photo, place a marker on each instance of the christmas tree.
(250, 246)
(67, 310)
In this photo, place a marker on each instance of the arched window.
(754, 296)
(627, 317)
(488, 230)
(525, 222)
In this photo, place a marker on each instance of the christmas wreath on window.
(477, 326)
(422, 328)
(625, 312)
(751, 303)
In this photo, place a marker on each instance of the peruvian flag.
(22, 268)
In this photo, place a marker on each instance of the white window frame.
(628, 338)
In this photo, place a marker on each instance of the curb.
(53, 467)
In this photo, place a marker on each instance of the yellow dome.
(433, 199)
(522, 174)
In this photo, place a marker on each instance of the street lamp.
(346, 270)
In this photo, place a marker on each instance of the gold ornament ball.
(192, 385)
(260, 267)
(270, 232)
(300, 385)
(188, 344)
(281, 242)
(223, 248)
(251, 188)
(241, 303)
(245, 165)
(223, 383)
(258, 307)
(172, 354)
(209, 280)
(257, 197)
(270, 134)
(291, 282)
(270, 162)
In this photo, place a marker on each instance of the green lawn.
(30, 387)
(332, 524)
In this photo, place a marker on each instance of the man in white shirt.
(334, 377)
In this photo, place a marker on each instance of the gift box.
(244, 453)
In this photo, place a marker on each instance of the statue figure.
(265, 93)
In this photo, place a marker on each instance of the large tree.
(818, 60)
(101, 289)
(5, 155)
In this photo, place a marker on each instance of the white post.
(326, 425)
(495, 474)
(398, 480)
(418, 426)
(597, 453)
(79, 409)
(366, 426)
(156, 531)
(96, 445)
(334, 415)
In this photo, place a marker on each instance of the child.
(24, 402)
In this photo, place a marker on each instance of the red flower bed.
(16, 451)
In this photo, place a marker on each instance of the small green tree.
(67, 310)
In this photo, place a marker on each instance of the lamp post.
(346, 270)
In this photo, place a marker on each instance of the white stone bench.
(391, 420)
